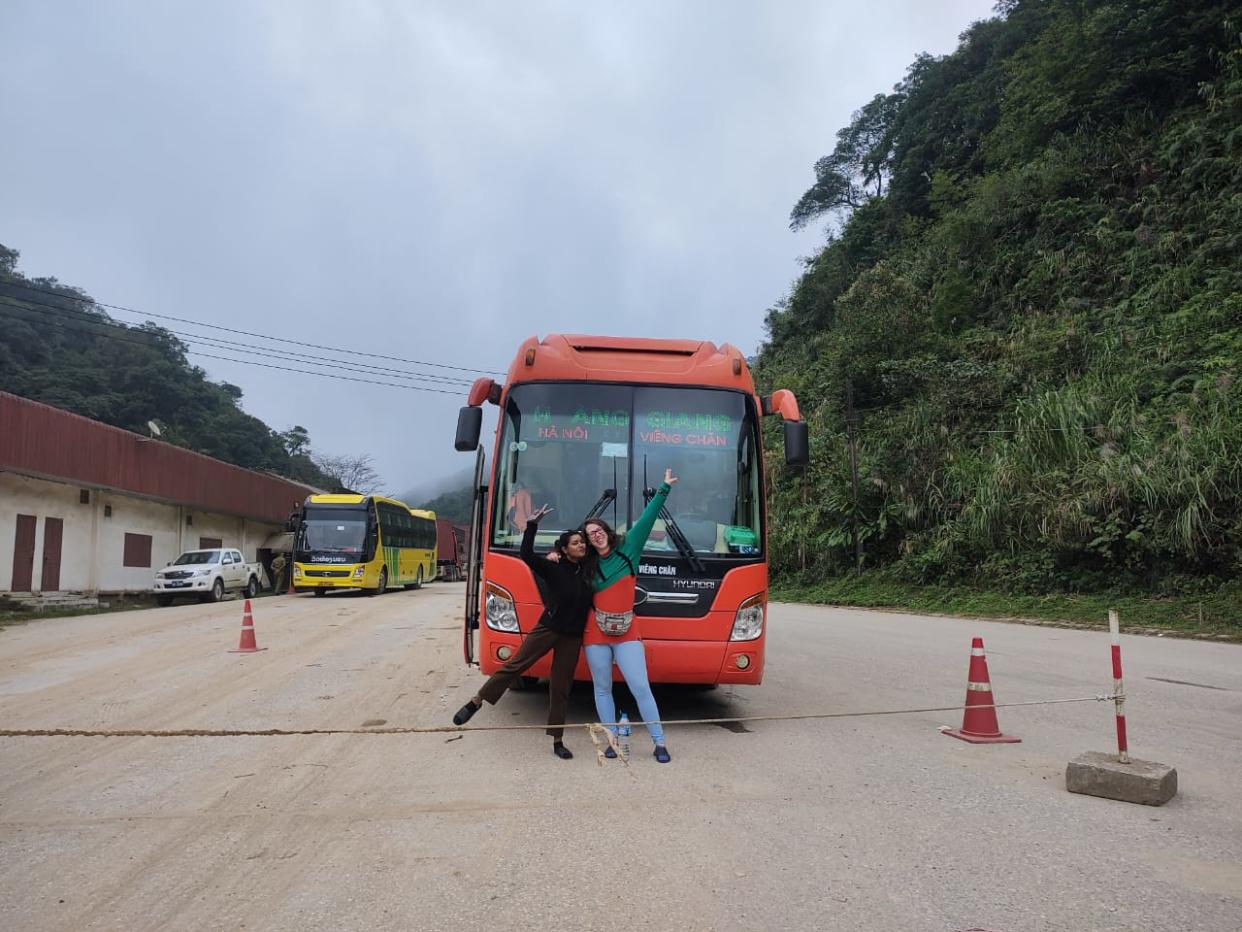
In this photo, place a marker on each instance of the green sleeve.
(636, 537)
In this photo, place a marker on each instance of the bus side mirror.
(469, 424)
(797, 443)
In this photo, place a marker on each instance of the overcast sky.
(434, 181)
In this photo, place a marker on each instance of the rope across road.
(591, 727)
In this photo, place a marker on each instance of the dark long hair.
(589, 560)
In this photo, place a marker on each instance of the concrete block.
(1139, 781)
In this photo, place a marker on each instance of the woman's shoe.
(661, 754)
(561, 751)
(610, 753)
(465, 712)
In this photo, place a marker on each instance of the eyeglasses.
(598, 532)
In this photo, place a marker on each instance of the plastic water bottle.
(623, 736)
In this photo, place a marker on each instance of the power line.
(246, 333)
(246, 362)
(233, 346)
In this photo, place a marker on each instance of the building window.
(137, 550)
(107, 511)
(189, 520)
(210, 543)
(84, 497)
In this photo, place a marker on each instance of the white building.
(86, 507)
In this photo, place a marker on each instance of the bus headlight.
(297, 571)
(359, 571)
(748, 622)
(499, 610)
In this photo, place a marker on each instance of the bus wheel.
(382, 585)
(418, 582)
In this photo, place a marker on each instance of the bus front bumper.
(668, 661)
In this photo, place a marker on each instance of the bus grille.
(334, 574)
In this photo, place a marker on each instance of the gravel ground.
(855, 823)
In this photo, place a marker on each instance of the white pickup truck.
(207, 574)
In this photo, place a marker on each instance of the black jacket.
(564, 586)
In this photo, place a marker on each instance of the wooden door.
(23, 553)
(53, 531)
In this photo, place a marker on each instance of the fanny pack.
(614, 623)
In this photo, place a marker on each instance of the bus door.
(474, 565)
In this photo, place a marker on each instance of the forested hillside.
(1031, 300)
(57, 346)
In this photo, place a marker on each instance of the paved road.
(873, 823)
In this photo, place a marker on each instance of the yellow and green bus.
(365, 542)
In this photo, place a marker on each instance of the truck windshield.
(197, 558)
(333, 529)
(570, 445)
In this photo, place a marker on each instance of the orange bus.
(588, 425)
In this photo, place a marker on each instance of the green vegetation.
(58, 347)
(455, 505)
(1031, 300)
(1217, 614)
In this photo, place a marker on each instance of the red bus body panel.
(679, 650)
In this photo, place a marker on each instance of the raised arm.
(636, 537)
(539, 566)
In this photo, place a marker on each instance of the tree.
(858, 166)
(355, 473)
(296, 440)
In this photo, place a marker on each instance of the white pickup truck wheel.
(217, 591)
(252, 588)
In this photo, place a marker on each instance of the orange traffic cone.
(248, 644)
(979, 724)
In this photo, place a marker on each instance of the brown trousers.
(564, 649)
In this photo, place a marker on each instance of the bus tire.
(418, 581)
(381, 585)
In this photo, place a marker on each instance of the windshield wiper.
(675, 533)
(608, 496)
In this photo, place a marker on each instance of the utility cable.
(246, 333)
(233, 346)
(247, 362)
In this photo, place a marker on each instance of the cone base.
(246, 650)
(980, 739)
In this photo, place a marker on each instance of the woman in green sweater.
(612, 630)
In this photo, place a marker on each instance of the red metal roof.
(49, 443)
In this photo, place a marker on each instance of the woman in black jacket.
(567, 600)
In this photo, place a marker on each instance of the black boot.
(465, 712)
(561, 751)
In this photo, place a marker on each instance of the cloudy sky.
(431, 181)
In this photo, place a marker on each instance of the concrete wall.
(92, 551)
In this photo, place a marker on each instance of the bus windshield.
(334, 529)
(571, 445)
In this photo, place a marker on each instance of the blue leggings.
(632, 661)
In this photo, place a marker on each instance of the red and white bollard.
(1119, 689)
